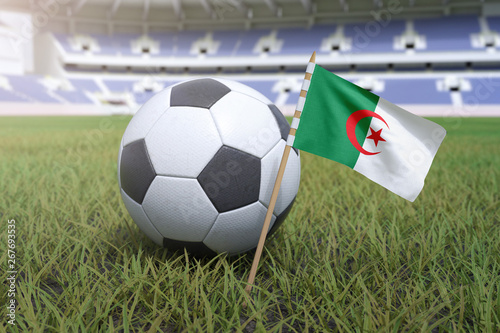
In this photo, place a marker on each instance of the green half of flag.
(329, 103)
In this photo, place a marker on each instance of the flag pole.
(279, 177)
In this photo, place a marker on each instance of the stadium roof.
(182, 14)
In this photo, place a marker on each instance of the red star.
(375, 136)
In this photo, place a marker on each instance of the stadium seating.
(414, 91)
(248, 39)
(448, 33)
(297, 40)
(494, 23)
(30, 87)
(167, 43)
(118, 44)
(443, 35)
(264, 87)
(451, 33)
(85, 85)
(184, 41)
(76, 97)
(484, 92)
(397, 90)
(229, 41)
(64, 42)
(13, 96)
(373, 38)
(119, 85)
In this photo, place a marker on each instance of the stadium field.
(350, 257)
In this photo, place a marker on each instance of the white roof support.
(307, 4)
(208, 8)
(272, 6)
(344, 5)
(145, 12)
(240, 5)
(77, 6)
(114, 8)
(178, 9)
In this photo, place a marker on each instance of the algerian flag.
(380, 140)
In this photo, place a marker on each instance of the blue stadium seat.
(450, 33)
(494, 23)
(141, 98)
(264, 87)
(372, 37)
(119, 85)
(29, 86)
(167, 42)
(107, 45)
(249, 39)
(414, 91)
(303, 41)
(484, 91)
(293, 98)
(13, 96)
(63, 40)
(228, 42)
(76, 97)
(85, 85)
(116, 44)
(185, 40)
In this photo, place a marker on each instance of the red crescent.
(351, 123)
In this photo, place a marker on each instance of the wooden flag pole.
(277, 185)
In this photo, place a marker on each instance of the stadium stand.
(448, 33)
(373, 38)
(184, 42)
(452, 33)
(229, 42)
(64, 41)
(76, 97)
(13, 96)
(409, 55)
(494, 23)
(119, 85)
(85, 85)
(397, 90)
(248, 41)
(414, 91)
(482, 92)
(167, 43)
(31, 87)
(119, 44)
(297, 40)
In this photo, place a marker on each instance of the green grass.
(351, 257)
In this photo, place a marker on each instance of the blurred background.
(75, 57)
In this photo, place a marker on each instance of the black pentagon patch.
(296, 151)
(231, 179)
(198, 249)
(280, 218)
(136, 170)
(282, 122)
(201, 93)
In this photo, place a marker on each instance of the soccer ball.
(197, 165)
